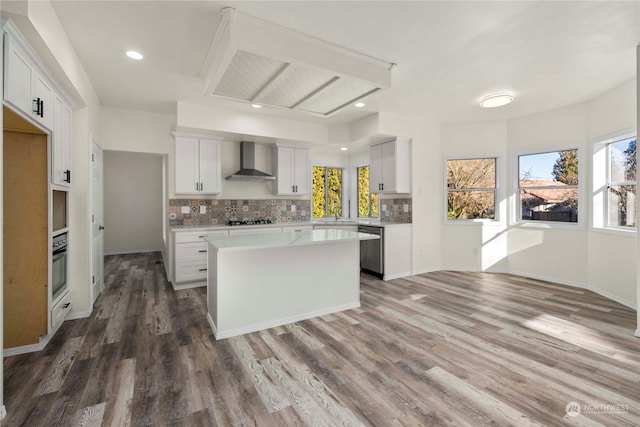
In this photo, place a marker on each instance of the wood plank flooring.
(442, 348)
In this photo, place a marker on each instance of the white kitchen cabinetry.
(61, 142)
(290, 165)
(190, 251)
(398, 252)
(390, 167)
(198, 166)
(29, 89)
(25, 85)
(328, 225)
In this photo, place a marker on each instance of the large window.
(368, 203)
(548, 186)
(621, 183)
(471, 188)
(327, 192)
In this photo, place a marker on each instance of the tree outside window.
(548, 186)
(327, 192)
(471, 188)
(368, 203)
(621, 183)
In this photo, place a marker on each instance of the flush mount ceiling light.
(496, 100)
(359, 104)
(134, 55)
(344, 149)
(256, 105)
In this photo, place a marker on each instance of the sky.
(538, 166)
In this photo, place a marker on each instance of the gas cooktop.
(258, 221)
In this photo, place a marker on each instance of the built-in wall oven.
(58, 266)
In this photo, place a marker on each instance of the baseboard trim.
(637, 334)
(23, 349)
(188, 285)
(278, 322)
(136, 251)
(396, 276)
(79, 315)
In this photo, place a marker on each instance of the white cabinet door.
(375, 168)
(301, 170)
(197, 163)
(390, 167)
(18, 76)
(209, 161)
(291, 168)
(61, 142)
(43, 97)
(187, 165)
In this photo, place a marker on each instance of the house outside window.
(548, 186)
(368, 203)
(621, 184)
(327, 192)
(471, 189)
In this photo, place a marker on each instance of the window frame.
(601, 181)
(356, 195)
(343, 193)
(516, 206)
(496, 192)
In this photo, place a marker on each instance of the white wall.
(133, 202)
(581, 256)
(469, 245)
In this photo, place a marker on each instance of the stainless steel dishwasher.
(372, 251)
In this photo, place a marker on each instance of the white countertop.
(285, 239)
(339, 223)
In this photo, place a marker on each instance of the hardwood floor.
(443, 348)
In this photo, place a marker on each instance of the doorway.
(97, 221)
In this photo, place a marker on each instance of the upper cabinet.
(291, 169)
(29, 89)
(390, 166)
(198, 166)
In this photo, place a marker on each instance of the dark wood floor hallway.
(442, 348)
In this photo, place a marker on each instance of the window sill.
(474, 222)
(549, 225)
(616, 231)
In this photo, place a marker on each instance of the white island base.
(257, 282)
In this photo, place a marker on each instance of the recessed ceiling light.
(359, 104)
(496, 100)
(343, 149)
(256, 105)
(134, 54)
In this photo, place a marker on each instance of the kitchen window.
(327, 192)
(548, 186)
(368, 203)
(471, 189)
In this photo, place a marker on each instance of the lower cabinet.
(190, 252)
(60, 310)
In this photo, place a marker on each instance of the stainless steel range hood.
(248, 171)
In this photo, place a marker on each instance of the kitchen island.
(259, 281)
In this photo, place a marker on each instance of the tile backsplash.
(396, 210)
(217, 211)
(202, 212)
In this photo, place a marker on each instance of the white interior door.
(97, 227)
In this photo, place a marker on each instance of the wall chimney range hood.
(248, 171)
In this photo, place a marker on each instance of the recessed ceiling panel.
(246, 75)
(295, 84)
(336, 95)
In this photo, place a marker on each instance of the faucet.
(335, 208)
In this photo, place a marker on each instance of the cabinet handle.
(201, 186)
(67, 176)
(203, 251)
(66, 305)
(37, 110)
(382, 185)
(41, 108)
(202, 269)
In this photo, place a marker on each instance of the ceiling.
(448, 54)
